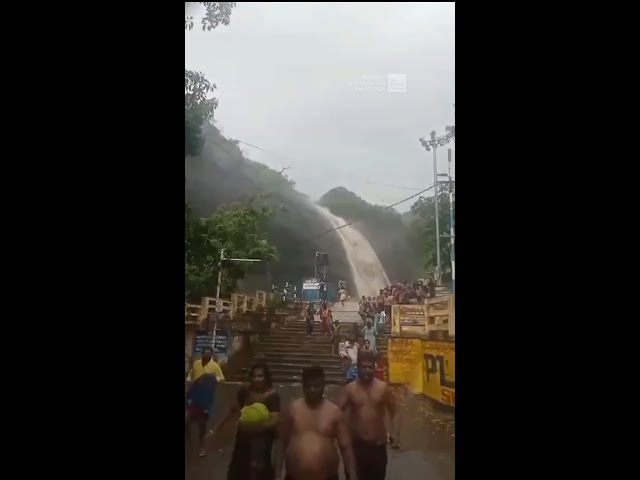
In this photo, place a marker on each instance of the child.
(343, 296)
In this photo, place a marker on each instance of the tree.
(451, 130)
(422, 229)
(216, 13)
(199, 104)
(237, 228)
(198, 108)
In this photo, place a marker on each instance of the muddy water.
(368, 273)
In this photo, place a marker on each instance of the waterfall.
(367, 271)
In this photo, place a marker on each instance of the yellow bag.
(255, 413)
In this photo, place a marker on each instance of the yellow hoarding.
(439, 369)
(426, 367)
(405, 360)
(409, 315)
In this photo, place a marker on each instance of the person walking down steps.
(369, 333)
(326, 317)
(310, 319)
(343, 296)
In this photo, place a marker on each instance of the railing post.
(452, 316)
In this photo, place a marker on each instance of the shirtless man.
(366, 399)
(308, 430)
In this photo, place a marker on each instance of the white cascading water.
(367, 271)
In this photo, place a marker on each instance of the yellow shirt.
(198, 370)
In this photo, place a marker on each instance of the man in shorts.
(368, 399)
(309, 430)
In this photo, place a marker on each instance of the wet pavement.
(427, 438)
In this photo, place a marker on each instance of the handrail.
(239, 303)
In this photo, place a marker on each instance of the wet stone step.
(329, 379)
(301, 353)
(294, 347)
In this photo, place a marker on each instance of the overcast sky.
(308, 82)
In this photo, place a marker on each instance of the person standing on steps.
(369, 334)
(367, 399)
(310, 318)
(352, 355)
(343, 295)
(309, 429)
(388, 302)
(362, 308)
(431, 286)
(345, 361)
(326, 317)
(322, 290)
(380, 302)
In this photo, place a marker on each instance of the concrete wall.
(425, 366)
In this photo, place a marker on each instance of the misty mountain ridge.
(221, 175)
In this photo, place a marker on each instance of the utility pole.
(451, 234)
(218, 302)
(452, 231)
(428, 145)
(435, 193)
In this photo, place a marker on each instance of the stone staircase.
(348, 315)
(287, 350)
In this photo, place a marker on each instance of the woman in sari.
(251, 458)
(326, 317)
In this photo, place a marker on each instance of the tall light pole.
(451, 235)
(451, 230)
(218, 302)
(428, 145)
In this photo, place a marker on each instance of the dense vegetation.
(405, 244)
(421, 231)
(237, 228)
(221, 175)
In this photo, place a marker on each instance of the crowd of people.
(306, 446)
(375, 313)
(327, 324)
(404, 293)
(302, 436)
